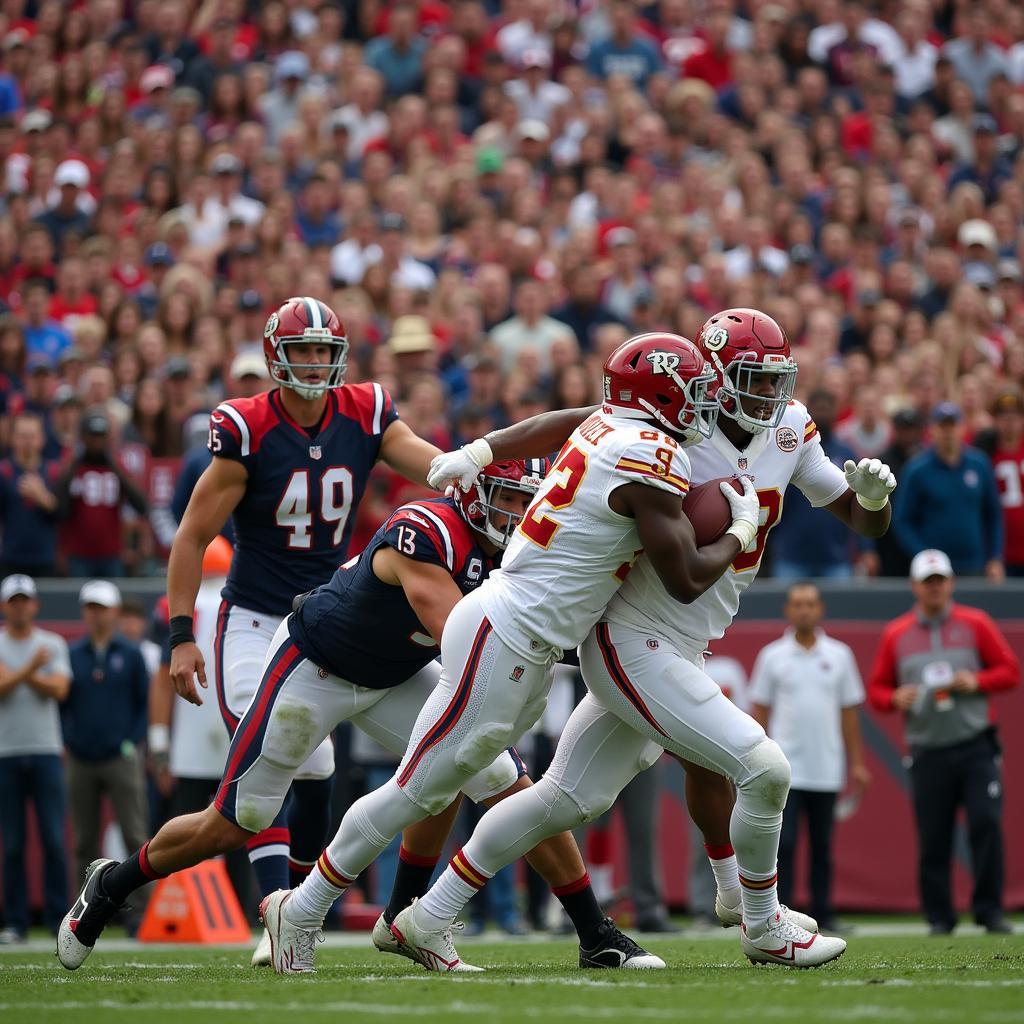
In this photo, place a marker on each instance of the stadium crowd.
(493, 195)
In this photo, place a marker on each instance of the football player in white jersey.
(616, 489)
(643, 665)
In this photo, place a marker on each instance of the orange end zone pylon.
(196, 905)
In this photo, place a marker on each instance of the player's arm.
(532, 438)
(685, 570)
(406, 452)
(218, 491)
(429, 588)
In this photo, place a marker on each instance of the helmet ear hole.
(635, 361)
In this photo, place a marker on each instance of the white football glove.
(462, 467)
(871, 480)
(746, 511)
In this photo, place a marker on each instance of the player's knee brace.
(765, 784)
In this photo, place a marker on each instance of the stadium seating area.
(492, 196)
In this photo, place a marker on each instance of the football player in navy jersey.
(361, 648)
(289, 467)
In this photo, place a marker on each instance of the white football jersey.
(199, 741)
(571, 552)
(788, 453)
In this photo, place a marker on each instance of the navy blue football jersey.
(364, 630)
(292, 526)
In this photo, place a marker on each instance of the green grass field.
(973, 979)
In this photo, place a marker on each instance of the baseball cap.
(39, 361)
(930, 562)
(984, 123)
(801, 255)
(17, 585)
(36, 121)
(65, 395)
(101, 592)
(907, 418)
(1008, 270)
(226, 163)
(535, 57)
(977, 232)
(72, 172)
(156, 76)
(620, 236)
(946, 412)
(250, 301)
(489, 160)
(96, 422)
(159, 255)
(292, 64)
(249, 364)
(392, 222)
(177, 368)
(979, 274)
(533, 128)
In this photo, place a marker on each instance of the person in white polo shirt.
(806, 691)
(34, 676)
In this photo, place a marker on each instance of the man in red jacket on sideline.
(939, 664)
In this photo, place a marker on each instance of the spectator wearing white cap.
(71, 214)
(34, 676)
(939, 664)
(105, 718)
(534, 94)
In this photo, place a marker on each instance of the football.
(708, 511)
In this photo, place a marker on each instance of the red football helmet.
(742, 344)
(477, 504)
(307, 321)
(665, 378)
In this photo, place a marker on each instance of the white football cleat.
(262, 955)
(434, 951)
(84, 922)
(292, 949)
(386, 942)
(782, 942)
(732, 917)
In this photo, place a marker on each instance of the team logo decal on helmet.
(305, 321)
(664, 378)
(749, 350)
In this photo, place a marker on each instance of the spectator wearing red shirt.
(939, 664)
(1004, 445)
(90, 495)
(72, 298)
(713, 63)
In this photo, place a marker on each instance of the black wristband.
(181, 630)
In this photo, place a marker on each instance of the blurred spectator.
(90, 495)
(34, 677)
(975, 59)
(626, 52)
(44, 335)
(398, 56)
(105, 720)
(530, 328)
(938, 665)
(28, 504)
(1004, 445)
(907, 441)
(806, 691)
(811, 542)
(133, 625)
(950, 501)
(67, 216)
(583, 309)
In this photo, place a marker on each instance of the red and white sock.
(444, 901)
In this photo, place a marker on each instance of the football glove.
(462, 466)
(871, 480)
(746, 511)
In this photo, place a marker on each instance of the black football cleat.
(615, 949)
(84, 922)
